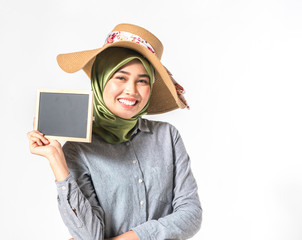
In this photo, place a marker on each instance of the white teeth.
(130, 103)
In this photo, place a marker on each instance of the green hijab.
(110, 127)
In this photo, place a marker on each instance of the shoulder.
(82, 147)
(159, 127)
(152, 124)
(69, 146)
(79, 153)
(71, 150)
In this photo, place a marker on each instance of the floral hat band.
(116, 36)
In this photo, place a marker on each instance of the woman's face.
(127, 91)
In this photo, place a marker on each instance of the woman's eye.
(121, 78)
(143, 81)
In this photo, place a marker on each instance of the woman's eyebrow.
(144, 75)
(140, 75)
(121, 71)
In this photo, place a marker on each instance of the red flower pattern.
(125, 36)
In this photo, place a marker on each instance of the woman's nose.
(131, 87)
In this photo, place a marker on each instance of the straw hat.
(166, 94)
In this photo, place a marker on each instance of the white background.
(240, 62)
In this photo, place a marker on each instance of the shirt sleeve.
(185, 220)
(77, 201)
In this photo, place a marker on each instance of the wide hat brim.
(164, 97)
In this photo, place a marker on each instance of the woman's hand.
(130, 235)
(52, 150)
(40, 145)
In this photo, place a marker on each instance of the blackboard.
(65, 114)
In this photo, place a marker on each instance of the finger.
(44, 140)
(34, 122)
(35, 131)
(33, 146)
(37, 141)
(34, 134)
(38, 135)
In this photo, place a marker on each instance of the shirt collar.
(143, 126)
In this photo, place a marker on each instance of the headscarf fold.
(110, 127)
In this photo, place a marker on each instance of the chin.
(125, 115)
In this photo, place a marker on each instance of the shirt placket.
(140, 184)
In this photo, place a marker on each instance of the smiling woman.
(120, 79)
(133, 181)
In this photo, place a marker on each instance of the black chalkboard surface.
(65, 114)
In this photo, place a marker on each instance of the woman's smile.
(128, 102)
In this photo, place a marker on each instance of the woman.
(133, 181)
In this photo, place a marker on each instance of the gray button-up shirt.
(145, 185)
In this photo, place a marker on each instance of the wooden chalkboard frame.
(89, 115)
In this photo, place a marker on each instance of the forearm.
(84, 219)
(58, 165)
(131, 235)
(182, 224)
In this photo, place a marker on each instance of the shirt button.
(142, 202)
(63, 188)
(140, 180)
(134, 161)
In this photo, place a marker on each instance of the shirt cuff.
(142, 232)
(66, 186)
